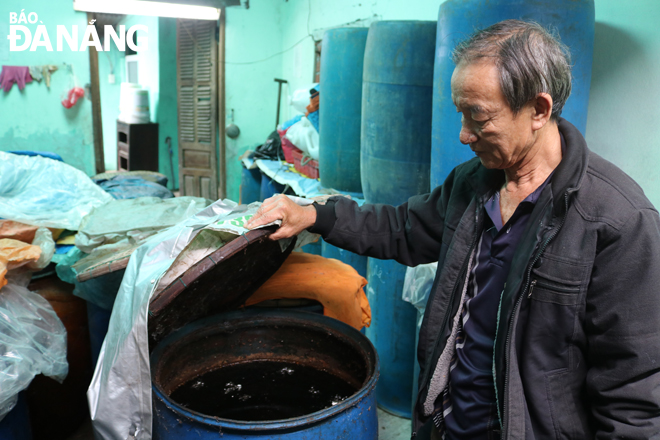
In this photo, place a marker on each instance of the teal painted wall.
(166, 109)
(251, 35)
(35, 119)
(625, 90)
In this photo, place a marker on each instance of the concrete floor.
(389, 428)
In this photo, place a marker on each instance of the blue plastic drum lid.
(396, 110)
(574, 21)
(342, 61)
(241, 337)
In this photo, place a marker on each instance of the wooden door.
(198, 105)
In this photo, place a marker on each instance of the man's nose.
(466, 136)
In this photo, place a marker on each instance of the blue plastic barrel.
(315, 248)
(574, 21)
(250, 186)
(269, 188)
(16, 424)
(393, 333)
(342, 61)
(396, 110)
(357, 262)
(308, 339)
(395, 165)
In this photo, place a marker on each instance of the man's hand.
(294, 218)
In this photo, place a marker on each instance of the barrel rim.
(269, 425)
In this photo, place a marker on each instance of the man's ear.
(541, 110)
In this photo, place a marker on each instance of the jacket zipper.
(531, 288)
(451, 300)
(515, 308)
(565, 290)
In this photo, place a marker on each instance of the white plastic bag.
(303, 135)
(32, 341)
(44, 239)
(299, 99)
(417, 287)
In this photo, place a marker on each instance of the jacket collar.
(570, 172)
(567, 177)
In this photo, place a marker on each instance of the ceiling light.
(152, 8)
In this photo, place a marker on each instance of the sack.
(271, 149)
(303, 135)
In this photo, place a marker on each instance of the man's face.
(498, 137)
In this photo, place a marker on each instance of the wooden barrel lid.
(221, 281)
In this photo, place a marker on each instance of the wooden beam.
(97, 125)
(222, 167)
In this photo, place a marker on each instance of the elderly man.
(544, 318)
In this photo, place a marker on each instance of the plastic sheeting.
(303, 135)
(113, 232)
(131, 187)
(45, 192)
(120, 392)
(133, 219)
(32, 341)
(417, 287)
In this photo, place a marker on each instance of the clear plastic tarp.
(44, 192)
(32, 341)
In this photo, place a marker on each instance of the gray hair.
(529, 58)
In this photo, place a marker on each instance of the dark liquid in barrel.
(262, 390)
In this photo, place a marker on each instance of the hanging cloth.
(14, 74)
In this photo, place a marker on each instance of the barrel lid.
(220, 281)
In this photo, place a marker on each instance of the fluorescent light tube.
(157, 9)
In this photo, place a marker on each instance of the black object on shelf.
(137, 146)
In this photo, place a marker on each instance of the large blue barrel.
(357, 262)
(393, 333)
(250, 186)
(342, 61)
(16, 424)
(396, 110)
(574, 21)
(315, 248)
(395, 164)
(246, 336)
